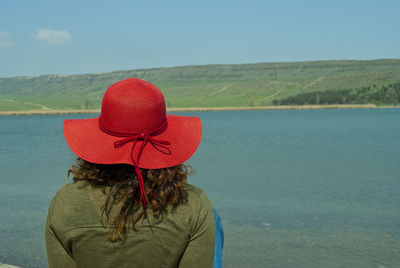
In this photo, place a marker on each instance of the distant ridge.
(234, 85)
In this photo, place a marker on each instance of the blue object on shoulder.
(219, 241)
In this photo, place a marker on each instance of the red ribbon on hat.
(146, 138)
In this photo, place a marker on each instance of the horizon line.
(194, 65)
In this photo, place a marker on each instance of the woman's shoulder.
(69, 190)
(69, 205)
(69, 197)
(194, 190)
(199, 209)
(197, 195)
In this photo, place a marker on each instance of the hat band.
(146, 138)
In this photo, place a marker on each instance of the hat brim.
(89, 142)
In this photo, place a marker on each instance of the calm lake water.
(307, 188)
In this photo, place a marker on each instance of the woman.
(130, 204)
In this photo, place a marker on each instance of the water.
(307, 188)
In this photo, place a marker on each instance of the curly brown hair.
(167, 186)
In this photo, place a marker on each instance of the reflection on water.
(293, 188)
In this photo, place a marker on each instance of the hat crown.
(132, 106)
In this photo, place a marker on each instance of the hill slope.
(202, 86)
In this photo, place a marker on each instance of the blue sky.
(72, 37)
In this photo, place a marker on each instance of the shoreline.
(203, 109)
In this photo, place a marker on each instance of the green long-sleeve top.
(76, 236)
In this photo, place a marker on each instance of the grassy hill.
(203, 86)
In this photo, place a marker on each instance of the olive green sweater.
(76, 236)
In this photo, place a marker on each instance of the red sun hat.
(133, 112)
(133, 128)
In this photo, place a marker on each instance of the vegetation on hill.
(384, 95)
(208, 85)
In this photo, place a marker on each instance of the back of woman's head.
(119, 183)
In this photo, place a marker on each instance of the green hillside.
(203, 86)
(385, 95)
